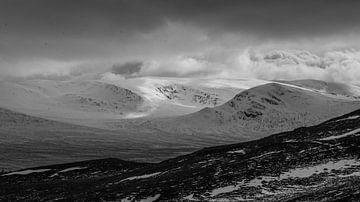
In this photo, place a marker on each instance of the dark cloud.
(114, 18)
(127, 69)
(75, 31)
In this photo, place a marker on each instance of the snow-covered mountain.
(168, 96)
(272, 107)
(183, 105)
(68, 99)
(84, 100)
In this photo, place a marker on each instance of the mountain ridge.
(273, 107)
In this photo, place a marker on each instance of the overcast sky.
(57, 37)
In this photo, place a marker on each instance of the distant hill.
(68, 98)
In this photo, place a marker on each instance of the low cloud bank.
(337, 66)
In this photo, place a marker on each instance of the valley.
(317, 163)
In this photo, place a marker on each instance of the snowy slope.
(85, 100)
(68, 99)
(183, 105)
(187, 95)
(167, 96)
(267, 108)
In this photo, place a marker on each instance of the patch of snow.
(128, 199)
(268, 153)
(71, 169)
(26, 172)
(141, 176)
(151, 198)
(53, 175)
(258, 181)
(134, 115)
(241, 151)
(341, 136)
(309, 171)
(189, 197)
(226, 189)
(291, 141)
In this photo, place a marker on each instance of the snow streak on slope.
(339, 90)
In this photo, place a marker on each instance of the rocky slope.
(318, 163)
(203, 97)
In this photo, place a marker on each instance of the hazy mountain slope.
(319, 163)
(27, 141)
(68, 99)
(102, 97)
(255, 112)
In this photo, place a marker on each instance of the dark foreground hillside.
(319, 163)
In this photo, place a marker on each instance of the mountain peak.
(272, 107)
